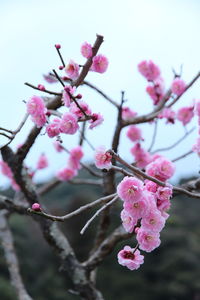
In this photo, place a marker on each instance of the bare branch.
(182, 156)
(11, 258)
(45, 91)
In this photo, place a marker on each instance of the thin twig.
(45, 91)
(154, 135)
(182, 156)
(97, 213)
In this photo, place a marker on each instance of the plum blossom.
(178, 86)
(130, 258)
(196, 147)
(99, 63)
(137, 209)
(66, 99)
(148, 240)
(197, 107)
(72, 70)
(58, 146)
(53, 129)
(161, 168)
(75, 156)
(68, 123)
(169, 114)
(66, 174)
(86, 50)
(130, 189)
(134, 133)
(35, 106)
(103, 158)
(142, 157)
(96, 119)
(42, 162)
(156, 92)
(149, 70)
(128, 114)
(74, 109)
(128, 221)
(153, 222)
(36, 207)
(185, 114)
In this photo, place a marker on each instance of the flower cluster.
(36, 108)
(145, 206)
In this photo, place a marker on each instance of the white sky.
(165, 31)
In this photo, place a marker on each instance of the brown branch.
(97, 213)
(154, 135)
(45, 91)
(88, 64)
(11, 258)
(101, 93)
(73, 213)
(182, 156)
(176, 143)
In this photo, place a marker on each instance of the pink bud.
(79, 96)
(36, 207)
(58, 46)
(61, 68)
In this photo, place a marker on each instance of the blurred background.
(167, 33)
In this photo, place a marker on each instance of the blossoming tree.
(141, 186)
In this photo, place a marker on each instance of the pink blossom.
(137, 209)
(96, 119)
(148, 240)
(36, 207)
(161, 168)
(128, 114)
(130, 258)
(153, 222)
(58, 146)
(142, 157)
(103, 158)
(151, 186)
(130, 189)
(42, 162)
(75, 156)
(77, 111)
(149, 70)
(197, 107)
(53, 129)
(58, 46)
(185, 114)
(156, 92)
(86, 50)
(168, 114)
(72, 70)
(5, 169)
(69, 123)
(128, 221)
(134, 133)
(178, 86)
(99, 63)
(35, 106)
(66, 174)
(41, 87)
(196, 147)
(49, 78)
(39, 120)
(66, 99)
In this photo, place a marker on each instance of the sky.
(164, 31)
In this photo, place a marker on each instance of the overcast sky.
(165, 31)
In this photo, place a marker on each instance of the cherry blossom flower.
(149, 70)
(185, 114)
(128, 221)
(53, 129)
(148, 240)
(130, 189)
(86, 50)
(96, 119)
(35, 106)
(178, 86)
(72, 70)
(153, 222)
(137, 209)
(68, 123)
(99, 63)
(130, 258)
(161, 168)
(103, 158)
(134, 133)
(128, 114)
(42, 162)
(66, 174)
